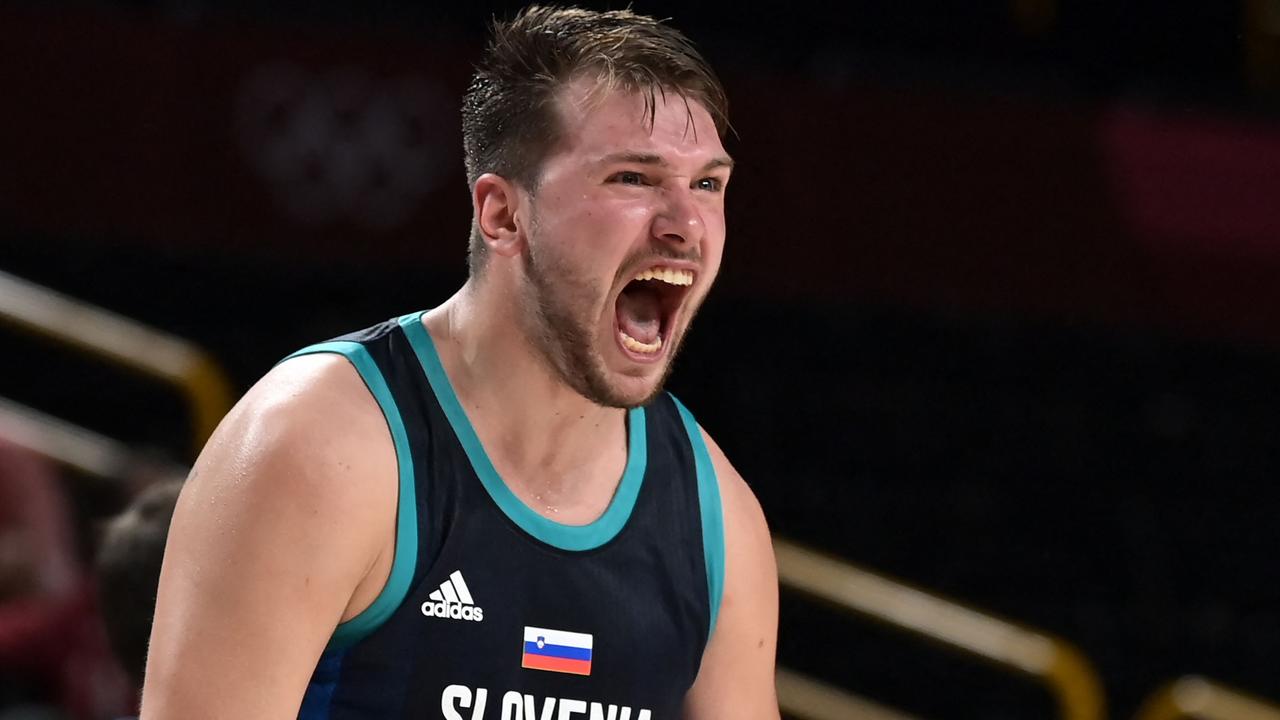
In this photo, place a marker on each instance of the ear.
(495, 201)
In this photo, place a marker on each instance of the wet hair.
(509, 117)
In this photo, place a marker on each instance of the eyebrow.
(640, 158)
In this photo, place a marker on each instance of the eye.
(710, 184)
(628, 177)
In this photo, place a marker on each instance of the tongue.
(639, 314)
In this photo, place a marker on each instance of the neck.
(544, 438)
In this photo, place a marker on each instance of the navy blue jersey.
(493, 611)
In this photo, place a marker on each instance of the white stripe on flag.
(558, 637)
(450, 596)
(464, 593)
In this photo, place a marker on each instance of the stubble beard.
(557, 307)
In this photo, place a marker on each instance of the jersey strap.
(712, 515)
(406, 548)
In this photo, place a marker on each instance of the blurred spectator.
(54, 660)
(128, 568)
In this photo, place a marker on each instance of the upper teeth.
(667, 275)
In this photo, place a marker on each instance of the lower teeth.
(635, 345)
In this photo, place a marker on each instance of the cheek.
(595, 232)
(607, 229)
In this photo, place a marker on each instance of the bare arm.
(284, 529)
(737, 675)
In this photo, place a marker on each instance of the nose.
(679, 221)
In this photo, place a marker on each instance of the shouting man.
(491, 509)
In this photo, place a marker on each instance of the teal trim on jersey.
(406, 550)
(712, 515)
(566, 537)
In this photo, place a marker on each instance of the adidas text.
(453, 611)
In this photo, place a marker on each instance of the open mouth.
(647, 307)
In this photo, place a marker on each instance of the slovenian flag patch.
(557, 651)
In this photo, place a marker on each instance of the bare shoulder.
(303, 431)
(286, 520)
(736, 679)
(320, 393)
(307, 444)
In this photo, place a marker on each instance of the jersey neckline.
(565, 537)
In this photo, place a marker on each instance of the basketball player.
(491, 509)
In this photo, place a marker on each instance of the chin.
(627, 391)
(636, 393)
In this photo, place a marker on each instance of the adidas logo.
(453, 600)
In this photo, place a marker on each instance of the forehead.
(597, 122)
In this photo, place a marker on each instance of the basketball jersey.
(493, 611)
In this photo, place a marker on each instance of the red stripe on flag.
(555, 664)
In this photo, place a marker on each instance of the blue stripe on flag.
(560, 651)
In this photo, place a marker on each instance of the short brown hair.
(509, 120)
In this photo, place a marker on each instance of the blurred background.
(999, 319)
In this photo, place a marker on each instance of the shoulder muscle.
(286, 514)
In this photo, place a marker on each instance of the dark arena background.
(996, 340)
